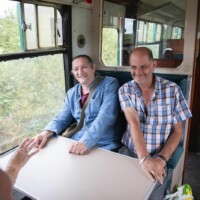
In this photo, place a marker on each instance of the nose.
(80, 70)
(137, 70)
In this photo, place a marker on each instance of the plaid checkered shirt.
(167, 107)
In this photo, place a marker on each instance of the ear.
(94, 67)
(154, 64)
(72, 73)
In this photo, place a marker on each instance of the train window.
(158, 25)
(176, 33)
(9, 34)
(30, 26)
(109, 54)
(31, 93)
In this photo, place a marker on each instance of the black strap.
(80, 124)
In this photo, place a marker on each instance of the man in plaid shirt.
(155, 109)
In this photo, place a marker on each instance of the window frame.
(65, 11)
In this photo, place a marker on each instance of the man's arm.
(153, 170)
(20, 158)
(173, 140)
(57, 125)
(136, 134)
(6, 186)
(63, 118)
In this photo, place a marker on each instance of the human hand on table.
(78, 148)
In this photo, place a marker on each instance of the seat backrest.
(124, 77)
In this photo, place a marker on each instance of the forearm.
(173, 141)
(62, 120)
(136, 133)
(12, 171)
(138, 140)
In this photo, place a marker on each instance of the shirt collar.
(158, 85)
(157, 89)
(79, 87)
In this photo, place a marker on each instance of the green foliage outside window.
(31, 90)
(31, 94)
(9, 33)
(110, 47)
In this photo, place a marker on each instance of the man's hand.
(23, 153)
(78, 148)
(21, 156)
(41, 139)
(154, 168)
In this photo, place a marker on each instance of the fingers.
(78, 148)
(33, 153)
(158, 177)
(40, 141)
(30, 143)
(26, 146)
(153, 170)
(23, 142)
(149, 175)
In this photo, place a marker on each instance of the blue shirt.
(100, 126)
(167, 107)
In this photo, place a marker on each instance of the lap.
(159, 190)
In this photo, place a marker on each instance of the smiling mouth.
(81, 77)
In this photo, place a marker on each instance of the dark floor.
(192, 176)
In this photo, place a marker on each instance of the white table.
(55, 174)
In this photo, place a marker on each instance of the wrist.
(12, 171)
(163, 158)
(143, 159)
(48, 133)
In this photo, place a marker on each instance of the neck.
(85, 89)
(148, 86)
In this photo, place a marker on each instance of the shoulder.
(127, 86)
(74, 89)
(164, 83)
(168, 88)
(110, 81)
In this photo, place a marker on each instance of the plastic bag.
(184, 192)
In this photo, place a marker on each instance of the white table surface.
(55, 174)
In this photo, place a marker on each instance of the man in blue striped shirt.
(155, 109)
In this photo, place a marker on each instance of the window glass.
(176, 33)
(110, 46)
(46, 26)
(35, 29)
(30, 26)
(9, 27)
(158, 25)
(31, 94)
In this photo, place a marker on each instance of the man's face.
(83, 71)
(141, 67)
